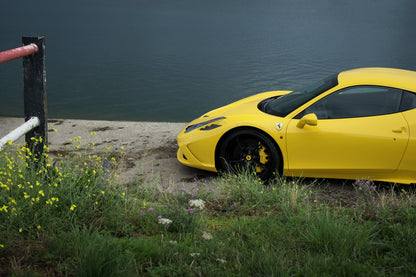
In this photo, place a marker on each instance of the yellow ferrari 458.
(357, 124)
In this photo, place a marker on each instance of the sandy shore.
(150, 147)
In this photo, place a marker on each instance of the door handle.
(399, 130)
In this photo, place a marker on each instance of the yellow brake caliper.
(264, 157)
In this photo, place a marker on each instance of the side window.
(408, 101)
(358, 101)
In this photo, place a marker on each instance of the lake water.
(173, 60)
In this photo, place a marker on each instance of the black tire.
(249, 149)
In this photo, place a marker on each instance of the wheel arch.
(231, 131)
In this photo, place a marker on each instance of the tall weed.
(253, 196)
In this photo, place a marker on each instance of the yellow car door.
(356, 132)
(358, 146)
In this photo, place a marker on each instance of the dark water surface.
(172, 60)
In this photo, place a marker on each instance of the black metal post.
(34, 86)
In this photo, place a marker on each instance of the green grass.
(69, 217)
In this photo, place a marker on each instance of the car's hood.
(246, 105)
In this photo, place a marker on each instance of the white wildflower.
(195, 254)
(173, 242)
(164, 221)
(221, 261)
(197, 203)
(207, 236)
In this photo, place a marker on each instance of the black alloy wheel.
(249, 149)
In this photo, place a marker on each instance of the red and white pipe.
(19, 52)
(14, 135)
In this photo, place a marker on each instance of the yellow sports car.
(358, 124)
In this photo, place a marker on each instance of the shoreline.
(150, 147)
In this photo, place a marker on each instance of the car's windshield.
(284, 105)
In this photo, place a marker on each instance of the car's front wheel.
(249, 149)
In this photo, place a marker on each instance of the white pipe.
(14, 135)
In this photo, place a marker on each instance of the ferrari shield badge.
(279, 126)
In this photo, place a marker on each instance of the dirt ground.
(149, 147)
(150, 153)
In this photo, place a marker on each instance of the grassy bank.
(68, 217)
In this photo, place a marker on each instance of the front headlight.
(204, 125)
